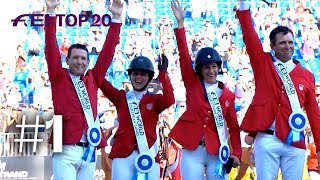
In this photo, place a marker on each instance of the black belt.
(268, 131)
(202, 143)
(86, 144)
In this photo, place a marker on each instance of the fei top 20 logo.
(63, 19)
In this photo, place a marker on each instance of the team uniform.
(69, 163)
(196, 130)
(268, 114)
(125, 146)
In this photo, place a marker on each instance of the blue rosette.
(94, 136)
(297, 123)
(144, 162)
(94, 139)
(224, 153)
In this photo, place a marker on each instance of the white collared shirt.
(214, 87)
(243, 5)
(139, 94)
(74, 76)
(289, 65)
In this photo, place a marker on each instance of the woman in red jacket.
(134, 148)
(202, 129)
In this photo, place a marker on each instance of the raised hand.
(51, 5)
(116, 8)
(163, 63)
(178, 12)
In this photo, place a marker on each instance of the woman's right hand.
(178, 12)
(51, 5)
(116, 9)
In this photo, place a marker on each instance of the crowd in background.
(148, 30)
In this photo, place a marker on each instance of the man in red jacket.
(74, 96)
(285, 91)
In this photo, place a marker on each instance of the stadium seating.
(195, 25)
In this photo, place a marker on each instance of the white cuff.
(52, 14)
(116, 20)
(243, 5)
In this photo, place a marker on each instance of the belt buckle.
(268, 131)
(82, 144)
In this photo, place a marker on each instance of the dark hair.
(307, 9)
(280, 29)
(78, 46)
(206, 56)
(274, 2)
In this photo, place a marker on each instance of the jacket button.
(204, 126)
(209, 112)
(207, 118)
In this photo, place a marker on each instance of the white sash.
(145, 160)
(93, 132)
(224, 150)
(297, 119)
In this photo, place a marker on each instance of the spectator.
(119, 68)
(64, 46)
(97, 40)
(3, 126)
(135, 12)
(3, 81)
(34, 42)
(11, 127)
(312, 162)
(21, 53)
(20, 65)
(14, 96)
(149, 13)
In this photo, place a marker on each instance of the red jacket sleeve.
(106, 54)
(52, 53)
